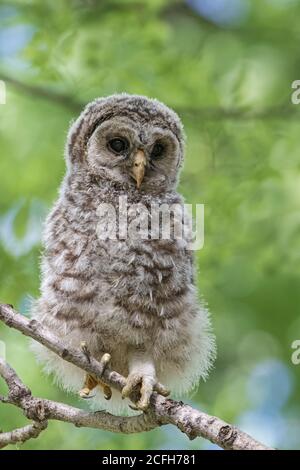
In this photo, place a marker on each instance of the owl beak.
(138, 168)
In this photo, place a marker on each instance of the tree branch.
(209, 113)
(21, 435)
(162, 411)
(41, 410)
(50, 95)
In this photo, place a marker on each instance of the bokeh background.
(226, 66)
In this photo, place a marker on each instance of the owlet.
(111, 280)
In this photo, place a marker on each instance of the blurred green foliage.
(231, 84)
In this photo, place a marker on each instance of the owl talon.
(105, 360)
(147, 387)
(107, 392)
(85, 350)
(161, 389)
(86, 397)
(90, 382)
(84, 392)
(134, 408)
(132, 381)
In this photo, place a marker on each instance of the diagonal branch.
(162, 411)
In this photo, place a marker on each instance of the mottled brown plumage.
(132, 298)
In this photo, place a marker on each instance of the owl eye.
(157, 151)
(118, 144)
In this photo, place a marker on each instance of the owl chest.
(142, 276)
(144, 279)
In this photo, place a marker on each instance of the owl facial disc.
(138, 167)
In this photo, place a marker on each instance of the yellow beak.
(138, 168)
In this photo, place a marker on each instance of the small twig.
(162, 411)
(20, 435)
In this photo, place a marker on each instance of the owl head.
(130, 140)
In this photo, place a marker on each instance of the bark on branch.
(21, 435)
(162, 411)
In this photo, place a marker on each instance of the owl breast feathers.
(132, 297)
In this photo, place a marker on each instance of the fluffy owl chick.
(130, 296)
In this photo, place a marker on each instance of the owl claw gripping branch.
(147, 385)
(91, 382)
(133, 298)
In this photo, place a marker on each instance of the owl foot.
(91, 382)
(147, 385)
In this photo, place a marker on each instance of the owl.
(130, 296)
